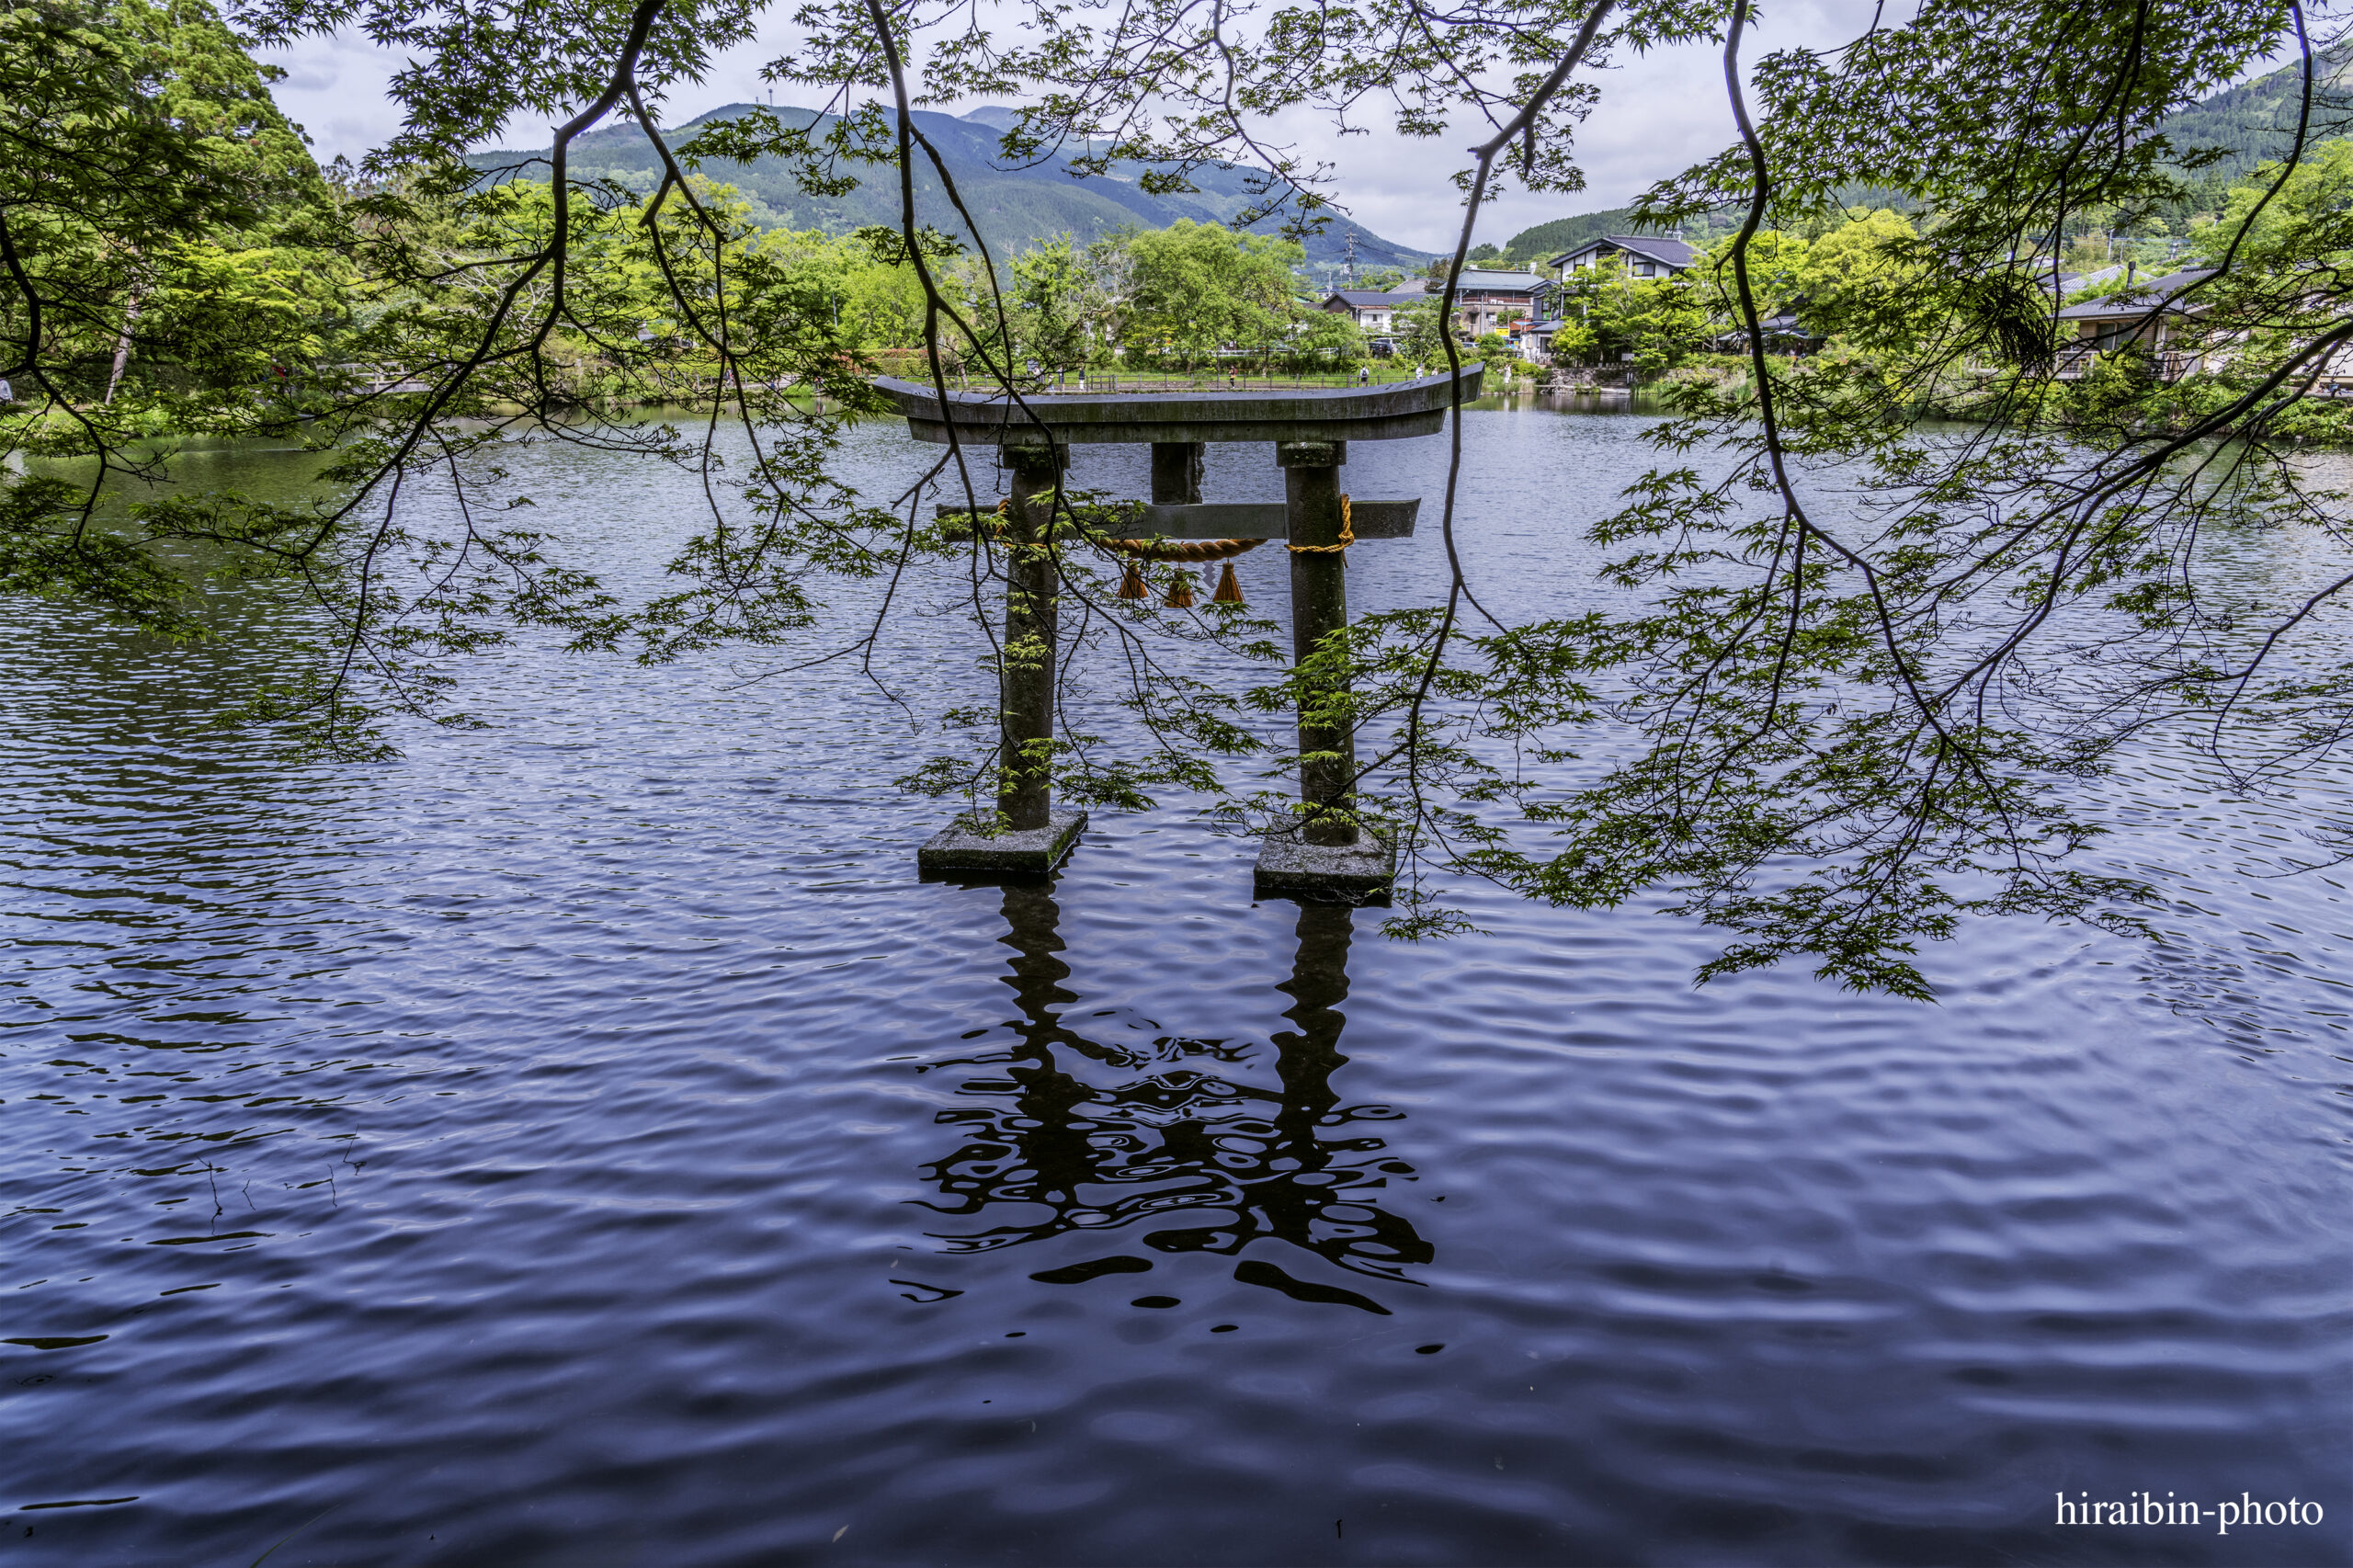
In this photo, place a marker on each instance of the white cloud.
(1658, 113)
(335, 90)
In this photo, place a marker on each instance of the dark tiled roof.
(1651, 247)
(1362, 298)
(2143, 296)
(1786, 324)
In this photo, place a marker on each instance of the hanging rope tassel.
(1229, 592)
(1134, 586)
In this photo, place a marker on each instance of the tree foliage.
(150, 189)
(1199, 286)
(1874, 664)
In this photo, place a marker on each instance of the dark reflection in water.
(1185, 1134)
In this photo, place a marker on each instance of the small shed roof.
(1786, 324)
(2142, 297)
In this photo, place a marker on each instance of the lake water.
(584, 1142)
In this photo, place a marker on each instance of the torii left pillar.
(1029, 837)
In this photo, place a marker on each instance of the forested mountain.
(2257, 119)
(1016, 208)
(2249, 123)
(1565, 234)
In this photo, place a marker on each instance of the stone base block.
(1361, 872)
(962, 849)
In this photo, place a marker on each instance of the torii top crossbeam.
(1351, 414)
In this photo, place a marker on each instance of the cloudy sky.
(1658, 113)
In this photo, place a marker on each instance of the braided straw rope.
(1202, 550)
(1347, 536)
(1225, 549)
(1182, 549)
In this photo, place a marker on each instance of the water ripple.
(584, 1142)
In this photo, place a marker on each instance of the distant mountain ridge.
(2250, 123)
(1016, 208)
(1546, 240)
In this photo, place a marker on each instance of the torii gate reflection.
(1182, 1138)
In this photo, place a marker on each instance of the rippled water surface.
(584, 1142)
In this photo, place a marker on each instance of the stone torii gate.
(1324, 855)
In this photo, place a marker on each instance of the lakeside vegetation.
(1851, 295)
(328, 289)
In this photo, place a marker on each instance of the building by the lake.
(1644, 255)
(2145, 314)
(1489, 300)
(1374, 310)
(1639, 256)
(1485, 301)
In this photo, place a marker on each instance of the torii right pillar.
(1324, 854)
